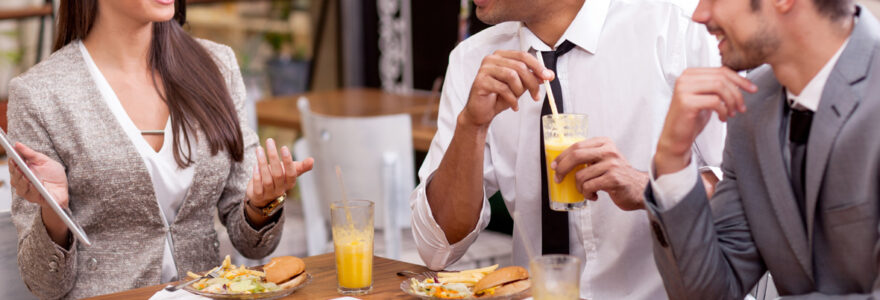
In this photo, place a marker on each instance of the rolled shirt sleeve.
(431, 241)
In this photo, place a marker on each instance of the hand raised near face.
(503, 77)
(698, 93)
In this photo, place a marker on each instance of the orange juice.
(354, 258)
(553, 291)
(565, 191)
(352, 225)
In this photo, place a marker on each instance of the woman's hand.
(51, 174)
(273, 175)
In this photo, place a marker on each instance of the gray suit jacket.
(56, 109)
(718, 249)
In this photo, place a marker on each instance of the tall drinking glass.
(555, 276)
(560, 133)
(352, 227)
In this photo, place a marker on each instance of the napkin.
(177, 295)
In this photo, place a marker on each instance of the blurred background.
(363, 73)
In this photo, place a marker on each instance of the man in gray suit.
(801, 168)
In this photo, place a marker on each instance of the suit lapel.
(839, 98)
(838, 101)
(769, 149)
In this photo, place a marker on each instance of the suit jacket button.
(92, 264)
(53, 266)
(659, 234)
(216, 244)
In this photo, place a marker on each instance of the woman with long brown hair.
(138, 129)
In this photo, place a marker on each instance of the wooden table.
(360, 102)
(386, 284)
(26, 12)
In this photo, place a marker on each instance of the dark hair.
(195, 90)
(832, 8)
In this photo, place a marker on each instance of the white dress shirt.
(621, 74)
(170, 182)
(671, 188)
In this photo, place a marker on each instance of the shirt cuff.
(715, 171)
(430, 239)
(669, 189)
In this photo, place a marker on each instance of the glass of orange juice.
(555, 277)
(560, 132)
(352, 226)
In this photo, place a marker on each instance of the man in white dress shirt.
(614, 60)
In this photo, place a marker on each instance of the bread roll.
(512, 288)
(283, 268)
(502, 276)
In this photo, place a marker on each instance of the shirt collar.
(584, 30)
(812, 92)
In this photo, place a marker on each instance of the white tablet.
(77, 231)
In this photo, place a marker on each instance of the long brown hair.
(195, 90)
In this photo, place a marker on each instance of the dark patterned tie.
(799, 124)
(554, 224)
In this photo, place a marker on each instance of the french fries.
(468, 277)
(230, 271)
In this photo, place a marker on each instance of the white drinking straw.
(344, 196)
(548, 88)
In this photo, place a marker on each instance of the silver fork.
(213, 274)
(430, 274)
(426, 274)
(411, 274)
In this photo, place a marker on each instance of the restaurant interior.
(352, 83)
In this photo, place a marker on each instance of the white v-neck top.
(170, 182)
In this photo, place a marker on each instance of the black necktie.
(554, 224)
(798, 134)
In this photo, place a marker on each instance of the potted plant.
(287, 68)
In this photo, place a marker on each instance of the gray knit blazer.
(56, 109)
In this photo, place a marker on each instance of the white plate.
(406, 287)
(267, 295)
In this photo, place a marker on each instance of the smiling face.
(139, 10)
(746, 34)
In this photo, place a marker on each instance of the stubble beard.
(753, 53)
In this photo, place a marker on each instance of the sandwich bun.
(511, 288)
(285, 271)
(505, 281)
